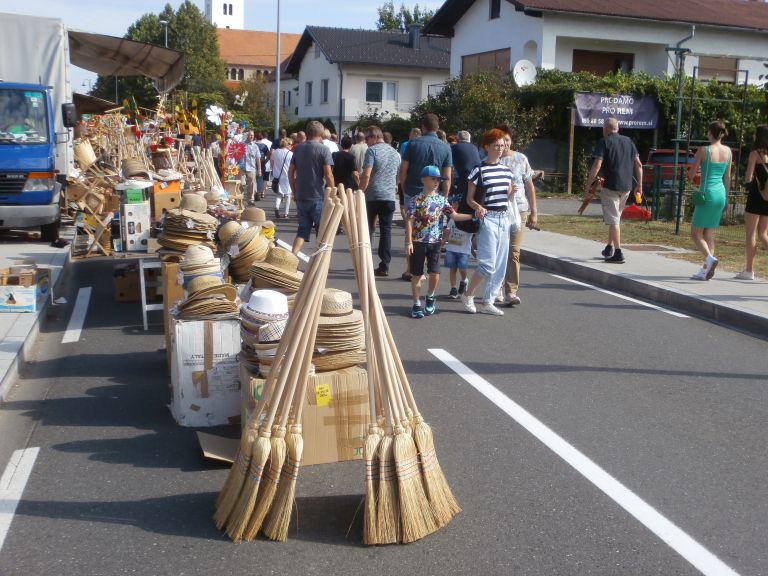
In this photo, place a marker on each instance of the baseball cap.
(431, 171)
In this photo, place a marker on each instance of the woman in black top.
(756, 210)
(344, 170)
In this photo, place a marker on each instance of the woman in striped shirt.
(496, 212)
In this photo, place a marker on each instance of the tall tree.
(188, 32)
(389, 19)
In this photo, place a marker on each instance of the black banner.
(631, 110)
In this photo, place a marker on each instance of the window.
(724, 69)
(498, 59)
(601, 63)
(392, 91)
(240, 74)
(324, 90)
(225, 9)
(495, 9)
(308, 94)
(374, 91)
(317, 50)
(230, 9)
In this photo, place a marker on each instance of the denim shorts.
(456, 260)
(308, 212)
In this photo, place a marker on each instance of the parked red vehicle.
(665, 159)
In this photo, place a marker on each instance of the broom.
(298, 372)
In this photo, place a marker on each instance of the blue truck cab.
(30, 186)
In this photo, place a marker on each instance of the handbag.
(698, 197)
(471, 226)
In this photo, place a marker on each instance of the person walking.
(616, 157)
(344, 170)
(281, 160)
(379, 182)
(465, 157)
(715, 163)
(252, 169)
(491, 194)
(426, 150)
(309, 173)
(525, 198)
(756, 211)
(358, 150)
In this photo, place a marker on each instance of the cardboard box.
(205, 380)
(173, 291)
(164, 201)
(135, 226)
(334, 418)
(125, 278)
(24, 292)
(170, 187)
(133, 191)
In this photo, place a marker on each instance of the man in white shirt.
(252, 168)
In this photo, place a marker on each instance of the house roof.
(254, 48)
(348, 46)
(746, 14)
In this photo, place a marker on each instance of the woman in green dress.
(715, 163)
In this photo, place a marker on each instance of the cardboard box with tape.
(24, 290)
(205, 379)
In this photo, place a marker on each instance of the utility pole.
(278, 99)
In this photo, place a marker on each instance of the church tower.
(226, 13)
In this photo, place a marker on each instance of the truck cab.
(29, 184)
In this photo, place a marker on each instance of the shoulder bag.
(276, 181)
(472, 226)
(699, 197)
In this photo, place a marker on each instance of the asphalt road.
(672, 408)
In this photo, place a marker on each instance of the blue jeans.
(384, 209)
(492, 252)
(308, 212)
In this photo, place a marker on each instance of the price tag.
(190, 224)
(323, 394)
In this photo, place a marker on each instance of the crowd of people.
(459, 200)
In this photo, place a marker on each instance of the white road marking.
(77, 320)
(303, 257)
(627, 298)
(12, 484)
(706, 562)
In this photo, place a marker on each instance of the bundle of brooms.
(407, 495)
(259, 491)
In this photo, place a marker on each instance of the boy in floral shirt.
(423, 232)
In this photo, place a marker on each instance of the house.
(251, 52)
(289, 91)
(727, 39)
(343, 73)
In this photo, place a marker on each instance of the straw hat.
(198, 254)
(337, 361)
(272, 332)
(336, 308)
(133, 167)
(203, 287)
(229, 233)
(278, 270)
(212, 197)
(256, 217)
(193, 203)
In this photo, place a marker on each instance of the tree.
(477, 102)
(404, 17)
(188, 32)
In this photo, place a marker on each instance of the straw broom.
(298, 372)
(239, 517)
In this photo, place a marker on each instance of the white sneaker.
(709, 266)
(701, 274)
(469, 303)
(745, 275)
(489, 308)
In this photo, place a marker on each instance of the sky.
(113, 17)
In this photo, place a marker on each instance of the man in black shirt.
(617, 158)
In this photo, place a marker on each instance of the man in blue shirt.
(425, 151)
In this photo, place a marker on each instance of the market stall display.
(188, 224)
(279, 271)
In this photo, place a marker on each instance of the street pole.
(277, 78)
(165, 25)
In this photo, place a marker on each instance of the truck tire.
(50, 232)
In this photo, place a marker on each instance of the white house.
(343, 73)
(600, 36)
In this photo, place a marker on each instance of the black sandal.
(406, 276)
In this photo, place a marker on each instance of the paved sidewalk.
(740, 304)
(18, 331)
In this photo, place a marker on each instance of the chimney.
(414, 36)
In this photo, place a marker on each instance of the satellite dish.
(524, 72)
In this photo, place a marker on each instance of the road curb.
(725, 314)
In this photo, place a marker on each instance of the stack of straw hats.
(262, 322)
(197, 261)
(254, 216)
(209, 299)
(188, 224)
(244, 247)
(279, 271)
(340, 340)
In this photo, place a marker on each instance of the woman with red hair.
(491, 194)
